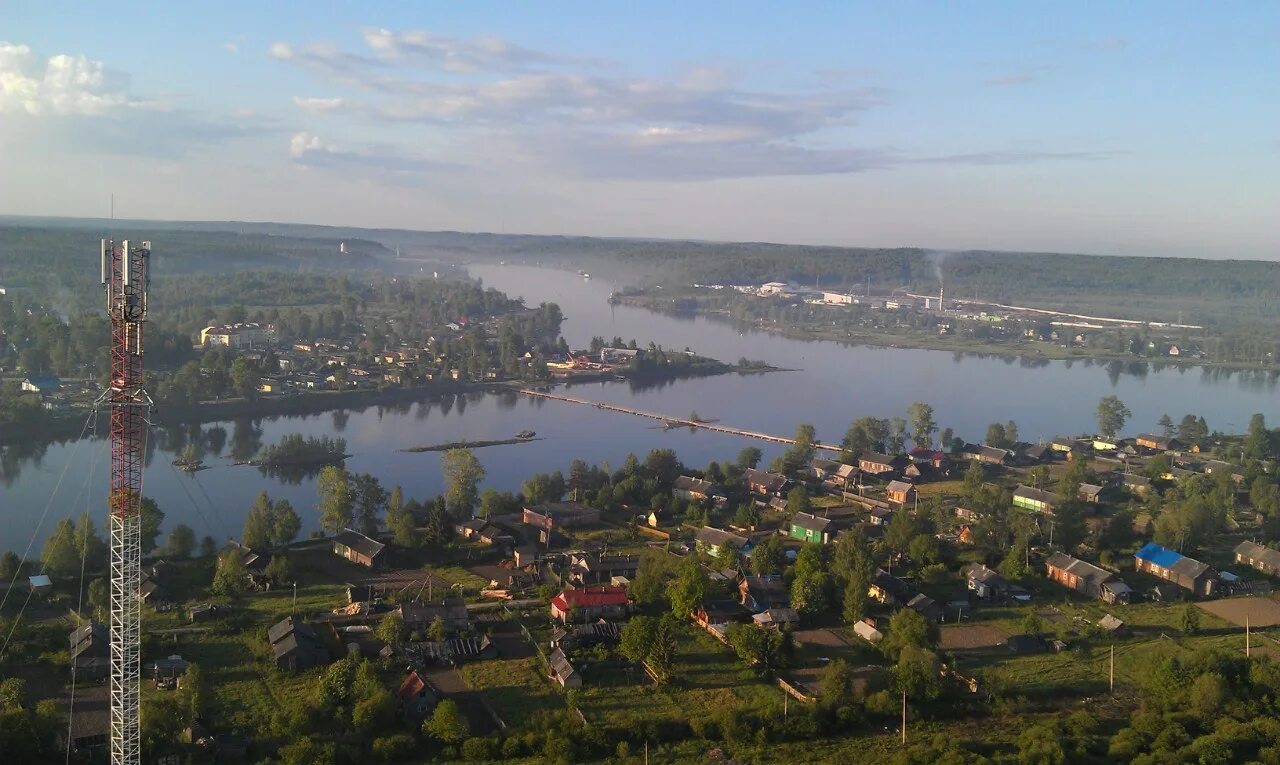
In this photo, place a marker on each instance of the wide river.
(831, 385)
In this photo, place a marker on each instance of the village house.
(776, 618)
(588, 568)
(552, 515)
(1158, 443)
(1065, 445)
(926, 607)
(296, 646)
(763, 482)
(991, 455)
(823, 469)
(89, 651)
(1256, 556)
(881, 465)
(692, 489)
(810, 528)
(562, 671)
(900, 492)
(984, 582)
(867, 631)
(586, 635)
(1116, 592)
(1035, 500)
(590, 604)
(238, 336)
(879, 516)
(1138, 484)
(1218, 467)
(42, 384)
(1174, 567)
(889, 590)
(451, 612)
(721, 611)
(1088, 492)
(711, 541)
(1075, 574)
(415, 700)
(760, 593)
(358, 549)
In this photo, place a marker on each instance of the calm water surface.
(832, 385)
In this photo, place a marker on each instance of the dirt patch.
(971, 637)
(821, 638)
(1261, 612)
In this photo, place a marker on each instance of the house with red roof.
(415, 699)
(590, 604)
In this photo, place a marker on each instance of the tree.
(765, 649)
(769, 556)
(447, 724)
(370, 502)
(638, 637)
(257, 524)
(923, 425)
(152, 519)
(944, 440)
(60, 556)
(866, 434)
(1010, 433)
(9, 565)
(897, 435)
(1166, 426)
(279, 570)
(974, 477)
(197, 691)
(908, 629)
(923, 550)
(89, 547)
(182, 541)
(208, 547)
(244, 378)
(1069, 528)
(404, 530)
(462, 476)
(749, 457)
(391, 630)
(997, 436)
(1257, 444)
(285, 523)
(99, 596)
(798, 501)
(1112, 415)
(918, 673)
(688, 590)
(230, 579)
(336, 501)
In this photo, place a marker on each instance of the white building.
(238, 336)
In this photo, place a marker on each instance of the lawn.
(457, 575)
(707, 678)
(515, 688)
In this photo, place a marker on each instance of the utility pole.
(904, 716)
(1113, 669)
(1246, 636)
(125, 279)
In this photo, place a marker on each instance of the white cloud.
(486, 53)
(59, 85)
(231, 47)
(281, 51)
(318, 104)
(308, 149)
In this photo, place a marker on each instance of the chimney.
(941, 305)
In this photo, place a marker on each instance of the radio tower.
(125, 278)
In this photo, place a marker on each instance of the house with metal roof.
(1035, 500)
(590, 604)
(1081, 576)
(712, 540)
(763, 482)
(810, 528)
(358, 548)
(1174, 567)
(295, 645)
(1261, 558)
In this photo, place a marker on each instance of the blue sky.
(1135, 128)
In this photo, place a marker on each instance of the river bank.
(932, 341)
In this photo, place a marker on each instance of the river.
(830, 386)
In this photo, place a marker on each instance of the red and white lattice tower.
(125, 278)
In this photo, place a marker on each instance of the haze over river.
(832, 385)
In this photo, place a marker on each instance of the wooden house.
(358, 548)
(1075, 574)
(1176, 568)
(810, 528)
(900, 492)
(1260, 558)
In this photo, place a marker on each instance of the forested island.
(295, 450)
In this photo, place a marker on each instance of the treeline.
(294, 449)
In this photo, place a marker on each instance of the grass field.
(515, 688)
(1259, 612)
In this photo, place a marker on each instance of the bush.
(395, 748)
(477, 749)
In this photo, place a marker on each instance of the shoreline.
(908, 342)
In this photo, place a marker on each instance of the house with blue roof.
(1174, 567)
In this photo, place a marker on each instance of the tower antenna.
(125, 279)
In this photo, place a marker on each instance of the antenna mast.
(125, 279)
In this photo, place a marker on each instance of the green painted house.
(811, 528)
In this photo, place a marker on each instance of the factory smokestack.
(941, 305)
